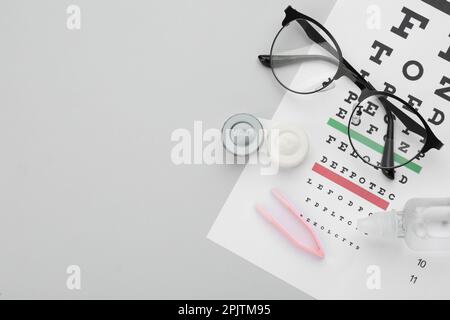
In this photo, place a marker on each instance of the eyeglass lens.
(294, 51)
(368, 131)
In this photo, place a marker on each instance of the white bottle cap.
(382, 224)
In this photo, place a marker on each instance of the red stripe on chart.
(350, 186)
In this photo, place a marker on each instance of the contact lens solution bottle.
(424, 224)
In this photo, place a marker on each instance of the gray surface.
(85, 124)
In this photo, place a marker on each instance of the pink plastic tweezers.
(318, 251)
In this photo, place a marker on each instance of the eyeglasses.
(384, 130)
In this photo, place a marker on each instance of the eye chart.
(401, 47)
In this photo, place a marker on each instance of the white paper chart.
(398, 45)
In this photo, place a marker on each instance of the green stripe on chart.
(372, 144)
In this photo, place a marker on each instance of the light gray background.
(85, 124)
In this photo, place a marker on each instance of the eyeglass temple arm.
(283, 60)
(312, 33)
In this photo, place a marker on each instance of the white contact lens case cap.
(292, 144)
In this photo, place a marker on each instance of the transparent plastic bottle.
(424, 224)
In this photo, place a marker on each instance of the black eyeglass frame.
(367, 90)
